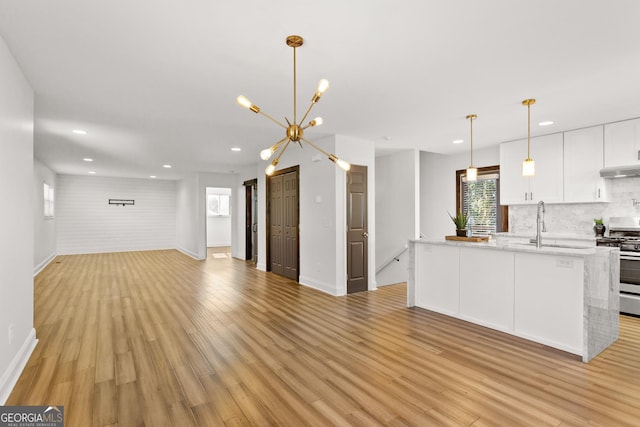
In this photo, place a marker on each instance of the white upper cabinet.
(546, 185)
(622, 143)
(583, 159)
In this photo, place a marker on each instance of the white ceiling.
(155, 82)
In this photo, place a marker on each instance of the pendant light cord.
(528, 131)
(471, 125)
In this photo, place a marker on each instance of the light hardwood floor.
(156, 338)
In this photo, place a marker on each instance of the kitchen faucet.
(540, 224)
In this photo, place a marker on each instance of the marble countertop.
(505, 245)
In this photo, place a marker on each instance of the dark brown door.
(276, 217)
(357, 234)
(290, 225)
(251, 220)
(283, 224)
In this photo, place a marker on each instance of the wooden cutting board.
(468, 239)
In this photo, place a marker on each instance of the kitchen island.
(562, 297)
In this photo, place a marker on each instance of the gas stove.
(624, 233)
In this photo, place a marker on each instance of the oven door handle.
(629, 258)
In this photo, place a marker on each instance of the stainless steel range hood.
(620, 171)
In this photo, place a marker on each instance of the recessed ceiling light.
(166, 166)
(87, 159)
(79, 132)
(458, 141)
(236, 149)
(92, 172)
(152, 176)
(547, 123)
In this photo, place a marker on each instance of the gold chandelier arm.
(277, 159)
(344, 165)
(316, 147)
(308, 111)
(272, 119)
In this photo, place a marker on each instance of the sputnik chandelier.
(294, 130)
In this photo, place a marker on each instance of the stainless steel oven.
(624, 233)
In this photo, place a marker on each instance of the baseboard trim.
(189, 253)
(320, 286)
(15, 368)
(38, 268)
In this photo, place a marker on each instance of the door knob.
(365, 234)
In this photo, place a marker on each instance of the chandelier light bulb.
(316, 122)
(244, 101)
(344, 165)
(323, 85)
(267, 153)
(271, 168)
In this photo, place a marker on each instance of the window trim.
(49, 201)
(502, 211)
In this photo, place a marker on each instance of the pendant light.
(472, 172)
(528, 166)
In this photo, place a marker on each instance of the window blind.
(480, 203)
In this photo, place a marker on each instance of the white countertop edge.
(520, 247)
(545, 235)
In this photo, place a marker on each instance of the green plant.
(460, 220)
(598, 221)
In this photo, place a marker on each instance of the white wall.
(16, 222)
(438, 187)
(397, 212)
(219, 227)
(86, 223)
(44, 229)
(187, 216)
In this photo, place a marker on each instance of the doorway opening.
(251, 220)
(218, 222)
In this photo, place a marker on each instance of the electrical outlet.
(564, 263)
(10, 334)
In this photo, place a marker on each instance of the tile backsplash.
(577, 218)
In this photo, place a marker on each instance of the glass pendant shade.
(472, 174)
(528, 167)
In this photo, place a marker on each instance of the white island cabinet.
(565, 298)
